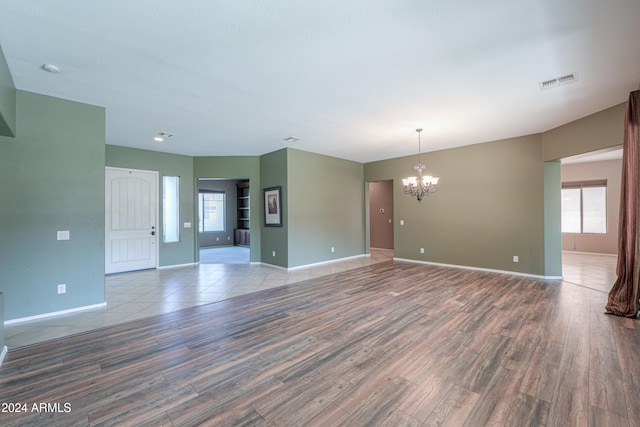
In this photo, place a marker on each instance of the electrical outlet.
(333, 249)
(421, 250)
(62, 288)
(273, 253)
(63, 235)
(187, 225)
(402, 222)
(515, 258)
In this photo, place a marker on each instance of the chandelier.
(420, 186)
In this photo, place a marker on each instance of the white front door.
(131, 232)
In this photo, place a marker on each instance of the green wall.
(182, 252)
(7, 99)
(325, 208)
(1, 324)
(52, 176)
(552, 219)
(496, 200)
(273, 173)
(237, 167)
(488, 208)
(604, 129)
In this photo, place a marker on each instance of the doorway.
(590, 226)
(131, 212)
(223, 215)
(381, 215)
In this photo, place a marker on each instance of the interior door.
(381, 214)
(131, 236)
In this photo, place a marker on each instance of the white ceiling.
(352, 78)
(611, 153)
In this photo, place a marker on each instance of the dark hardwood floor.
(393, 344)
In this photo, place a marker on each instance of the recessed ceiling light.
(158, 138)
(50, 68)
(292, 139)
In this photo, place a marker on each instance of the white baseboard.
(489, 270)
(299, 267)
(591, 253)
(3, 353)
(165, 267)
(54, 313)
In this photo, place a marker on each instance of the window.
(584, 207)
(211, 209)
(170, 209)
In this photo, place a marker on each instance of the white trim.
(266, 264)
(326, 262)
(54, 313)
(300, 267)
(591, 253)
(489, 270)
(3, 353)
(117, 168)
(164, 267)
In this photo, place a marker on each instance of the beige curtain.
(623, 297)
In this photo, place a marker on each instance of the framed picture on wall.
(272, 207)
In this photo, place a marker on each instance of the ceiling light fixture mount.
(50, 68)
(292, 139)
(162, 135)
(420, 186)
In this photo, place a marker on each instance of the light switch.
(402, 222)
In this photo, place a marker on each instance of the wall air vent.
(558, 81)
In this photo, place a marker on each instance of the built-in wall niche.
(217, 211)
(242, 234)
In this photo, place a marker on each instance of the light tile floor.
(592, 271)
(132, 296)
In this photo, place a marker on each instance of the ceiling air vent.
(292, 139)
(558, 81)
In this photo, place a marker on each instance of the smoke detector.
(558, 81)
